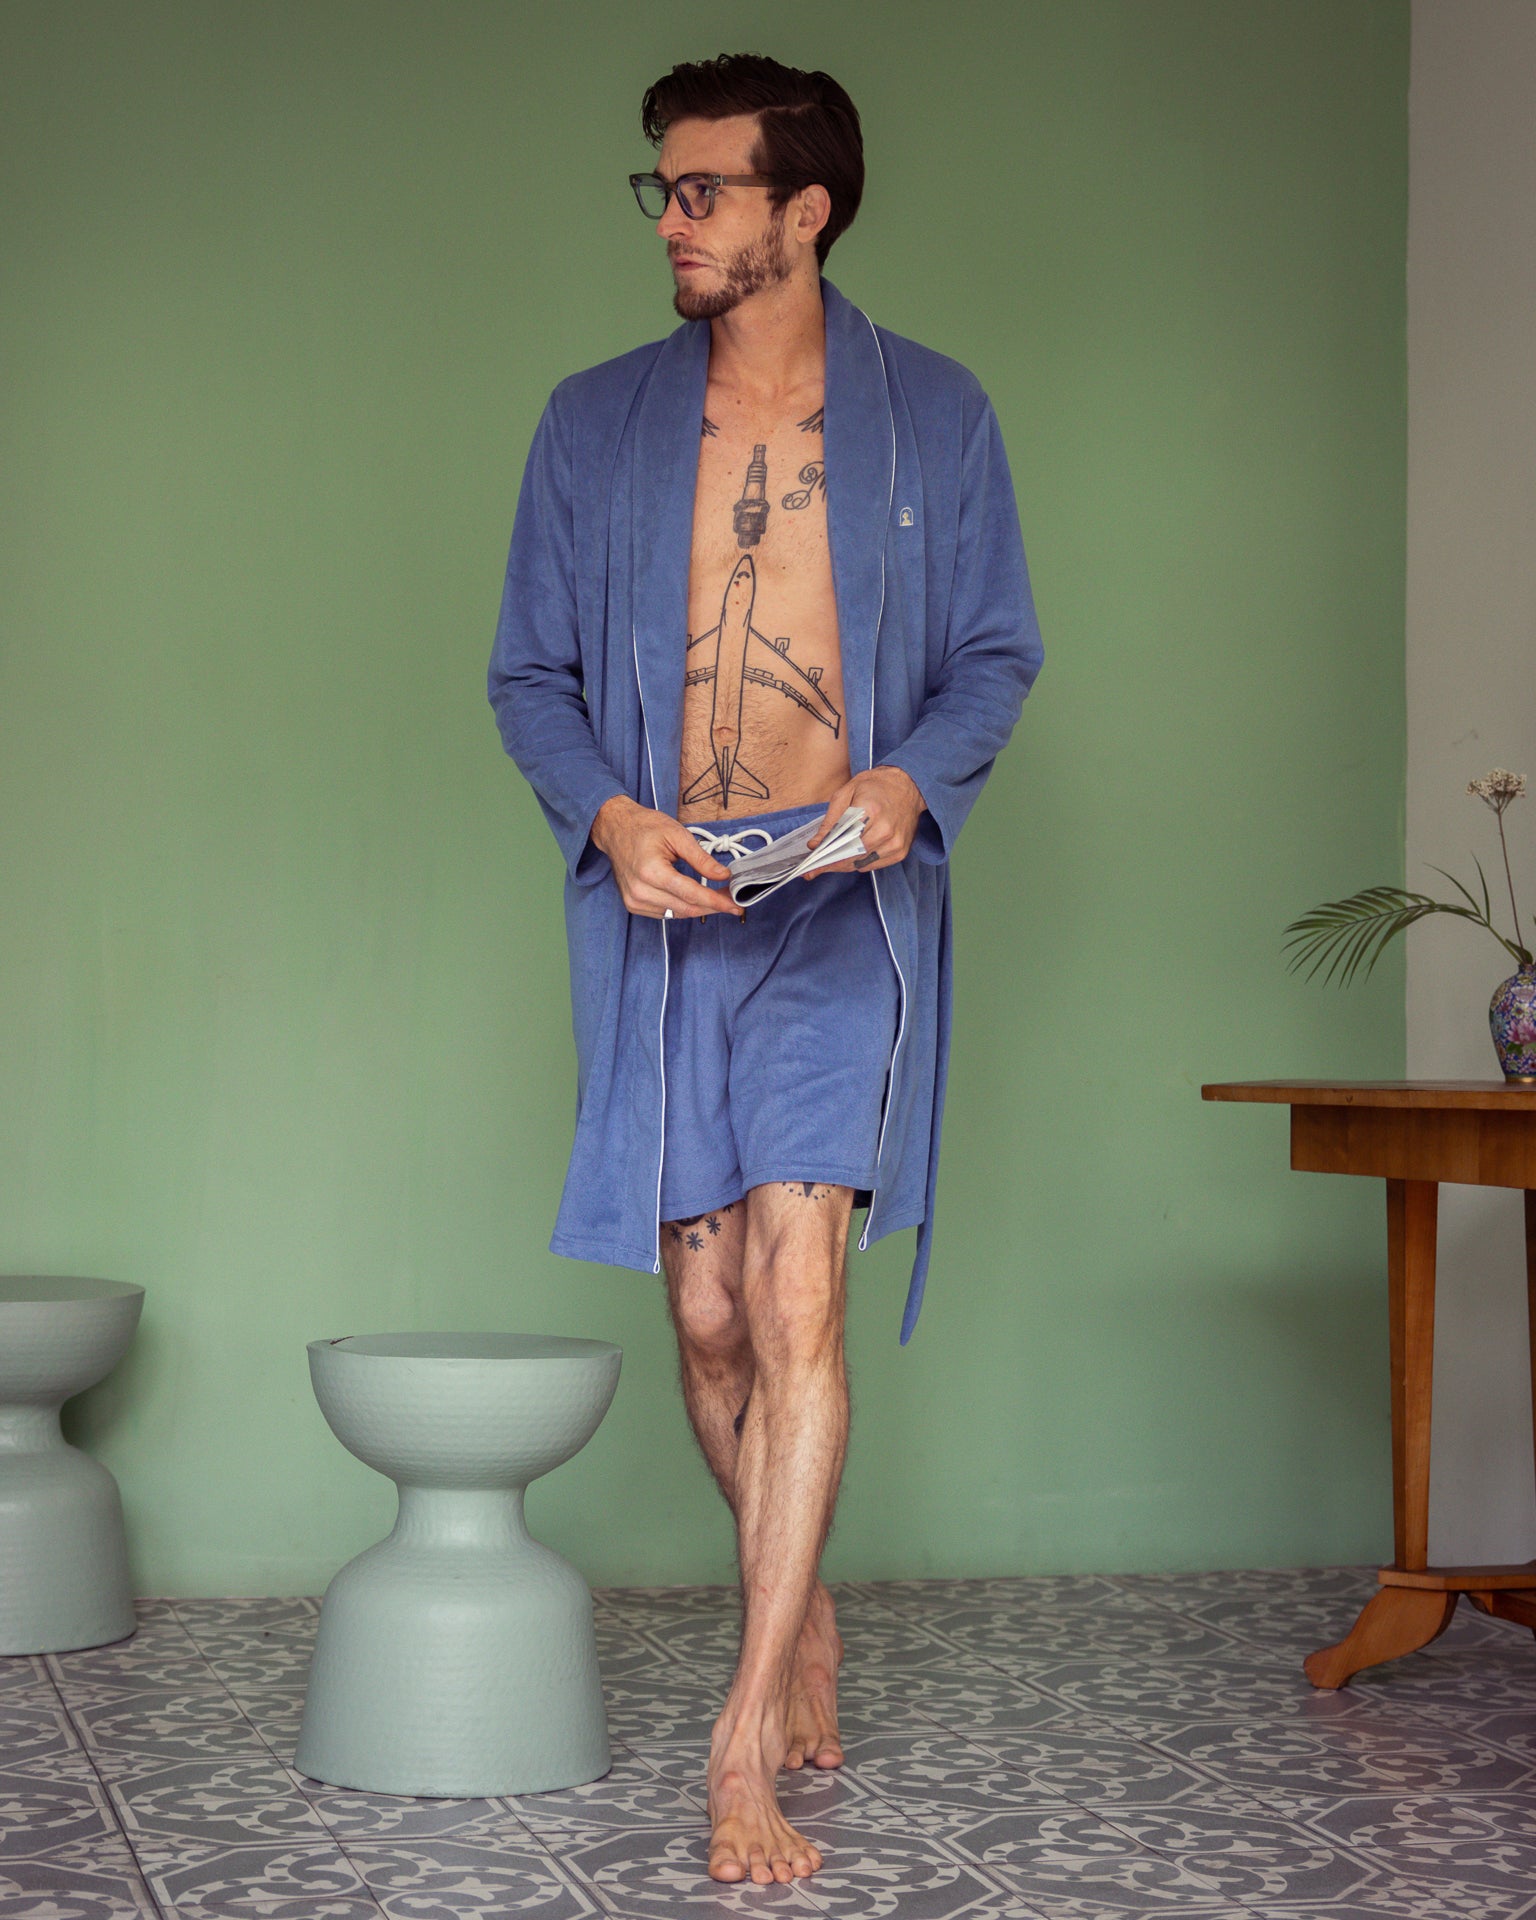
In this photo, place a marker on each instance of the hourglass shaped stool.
(63, 1552)
(457, 1657)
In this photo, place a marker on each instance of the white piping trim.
(874, 878)
(666, 960)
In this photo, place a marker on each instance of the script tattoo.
(813, 480)
(741, 654)
(709, 430)
(812, 421)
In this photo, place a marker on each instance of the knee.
(709, 1318)
(794, 1308)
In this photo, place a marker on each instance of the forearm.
(610, 819)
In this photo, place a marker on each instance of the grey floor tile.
(971, 1697)
(313, 1882)
(91, 1878)
(911, 1598)
(225, 1803)
(641, 1711)
(1145, 1633)
(171, 1663)
(1462, 1680)
(1254, 1857)
(1069, 1863)
(870, 1871)
(122, 1729)
(352, 1818)
(24, 1676)
(1360, 1754)
(445, 1878)
(36, 1741)
(937, 1774)
(1096, 1763)
(1485, 1842)
(1382, 1897)
(1159, 1692)
(41, 1815)
(631, 1796)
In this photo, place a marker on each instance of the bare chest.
(763, 693)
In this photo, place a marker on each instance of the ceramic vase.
(1512, 1021)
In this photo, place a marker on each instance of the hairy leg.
(702, 1259)
(788, 1465)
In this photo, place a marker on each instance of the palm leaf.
(1486, 912)
(1348, 934)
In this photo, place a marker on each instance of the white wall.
(1472, 690)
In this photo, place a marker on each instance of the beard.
(760, 263)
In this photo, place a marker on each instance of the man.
(762, 571)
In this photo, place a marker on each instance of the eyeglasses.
(695, 191)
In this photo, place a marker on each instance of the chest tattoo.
(733, 654)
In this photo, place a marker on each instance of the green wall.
(283, 1019)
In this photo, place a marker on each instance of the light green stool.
(457, 1657)
(63, 1552)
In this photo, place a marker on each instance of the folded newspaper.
(755, 875)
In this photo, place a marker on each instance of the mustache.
(690, 253)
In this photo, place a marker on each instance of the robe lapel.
(859, 442)
(859, 438)
(665, 470)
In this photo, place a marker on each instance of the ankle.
(751, 1724)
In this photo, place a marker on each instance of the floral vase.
(1512, 1021)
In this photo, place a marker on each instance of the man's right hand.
(642, 845)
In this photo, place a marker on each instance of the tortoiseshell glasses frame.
(695, 191)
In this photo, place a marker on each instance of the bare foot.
(750, 1838)
(812, 1716)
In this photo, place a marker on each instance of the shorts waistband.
(783, 820)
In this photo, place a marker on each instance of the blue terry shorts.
(777, 1036)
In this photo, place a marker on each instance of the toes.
(782, 1870)
(762, 1873)
(795, 1758)
(726, 1866)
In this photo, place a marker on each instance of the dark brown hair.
(808, 128)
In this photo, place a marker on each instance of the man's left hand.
(893, 807)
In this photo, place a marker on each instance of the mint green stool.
(63, 1552)
(457, 1657)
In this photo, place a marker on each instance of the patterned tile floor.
(1057, 1749)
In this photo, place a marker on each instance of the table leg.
(1530, 1288)
(1520, 1605)
(1400, 1619)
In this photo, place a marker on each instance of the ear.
(812, 211)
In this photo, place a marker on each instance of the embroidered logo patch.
(904, 518)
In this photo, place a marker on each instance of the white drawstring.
(718, 843)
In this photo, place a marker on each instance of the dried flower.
(1498, 788)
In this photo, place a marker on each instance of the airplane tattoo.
(742, 654)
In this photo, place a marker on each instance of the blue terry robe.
(940, 646)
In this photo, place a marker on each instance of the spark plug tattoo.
(750, 514)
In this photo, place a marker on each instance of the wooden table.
(1414, 1134)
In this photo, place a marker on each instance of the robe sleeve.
(536, 682)
(992, 649)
